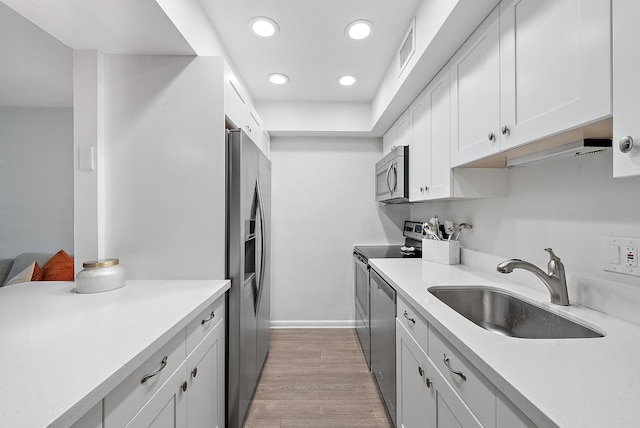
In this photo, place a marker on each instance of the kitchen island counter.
(62, 352)
(555, 382)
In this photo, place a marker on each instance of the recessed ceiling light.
(264, 27)
(347, 80)
(358, 30)
(278, 79)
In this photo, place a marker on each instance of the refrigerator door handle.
(262, 245)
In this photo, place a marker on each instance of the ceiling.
(311, 47)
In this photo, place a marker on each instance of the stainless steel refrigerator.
(249, 268)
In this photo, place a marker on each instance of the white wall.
(323, 204)
(36, 180)
(568, 205)
(164, 165)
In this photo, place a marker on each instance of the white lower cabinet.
(425, 399)
(438, 388)
(181, 385)
(168, 407)
(205, 400)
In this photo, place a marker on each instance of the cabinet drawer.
(414, 323)
(128, 398)
(204, 323)
(476, 391)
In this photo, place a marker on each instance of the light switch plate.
(620, 255)
(86, 158)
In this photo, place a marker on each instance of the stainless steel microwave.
(392, 177)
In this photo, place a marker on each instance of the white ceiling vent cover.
(408, 46)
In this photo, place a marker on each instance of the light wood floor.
(316, 378)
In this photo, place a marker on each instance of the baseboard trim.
(312, 324)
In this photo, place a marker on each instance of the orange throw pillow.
(38, 273)
(59, 267)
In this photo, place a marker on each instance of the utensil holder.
(444, 252)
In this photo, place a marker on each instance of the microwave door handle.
(388, 173)
(395, 178)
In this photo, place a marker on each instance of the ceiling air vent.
(408, 46)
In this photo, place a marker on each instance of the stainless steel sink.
(506, 314)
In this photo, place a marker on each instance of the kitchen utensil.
(430, 231)
(456, 235)
(436, 226)
(448, 227)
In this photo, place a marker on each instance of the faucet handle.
(554, 263)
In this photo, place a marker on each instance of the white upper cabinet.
(475, 94)
(626, 87)
(438, 138)
(239, 110)
(430, 173)
(533, 69)
(420, 152)
(398, 135)
(555, 66)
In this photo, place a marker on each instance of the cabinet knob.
(194, 372)
(420, 371)
(505, 130)
(422, 189)
(626, 144)
(428, 382)
(248, 128)
(184, 386)
(491, 136)
(426, 188)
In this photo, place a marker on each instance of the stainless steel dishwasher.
(383, 340)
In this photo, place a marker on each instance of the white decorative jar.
(100, 275)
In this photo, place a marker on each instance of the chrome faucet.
(555, 280)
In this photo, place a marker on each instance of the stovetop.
(387, 252)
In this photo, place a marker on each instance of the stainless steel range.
(376, 309)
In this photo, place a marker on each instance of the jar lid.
(100, 263)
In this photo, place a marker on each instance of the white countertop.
(555, 382)
(62, 352)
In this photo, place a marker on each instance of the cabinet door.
(168, 407)
(415, 406)
(205, 402)
(555, 66)
(235, 106)
(626, 87)
(438, 106)
(388, 140)
(450, 410)
(402, 130)
(420, 151)
(475, 94)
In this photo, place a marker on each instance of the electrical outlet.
(631, 256)
(620, 255)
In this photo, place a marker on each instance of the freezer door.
(263, 305)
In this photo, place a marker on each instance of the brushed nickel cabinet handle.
(211, 316)
(163, 364)
(407, 317)
(457, 373)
